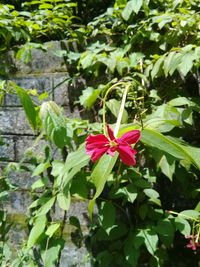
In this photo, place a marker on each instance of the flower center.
(112, 143)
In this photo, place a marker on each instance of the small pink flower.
(98, 145)
(193, 244)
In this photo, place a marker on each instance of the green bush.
(149, 50)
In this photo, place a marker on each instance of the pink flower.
(193, 244)
(98, 145)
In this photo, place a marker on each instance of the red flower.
(97, 145)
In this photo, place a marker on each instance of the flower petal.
(127, 154)
(110, 133)
(130, 137)
(96, 141)
(111, 151)
(98, 152)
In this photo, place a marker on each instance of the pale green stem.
(104, 104)
(185, 216)
(119, 118)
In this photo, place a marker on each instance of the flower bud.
(49, 106)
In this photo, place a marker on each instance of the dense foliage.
(152, 49)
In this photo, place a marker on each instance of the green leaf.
(182, 225)
(118, 230)
(107, 216)
(41, 168)
(36, 231)
(143, 209)
(52, 229)
(100, 175)
(157, 67)
(186, 63)
(189, 214)
(167, 62)
(130, 252)
(151, 193)
(88, 97)
(27, 105)
(74, 162)
(74, 221)
(166, 231)
(57, 168)
(114, 106)
(45, 6)
(46, 207)
(165, 227)
(87, 59)
(133, 5)
(134, 58)
(64, 200)
(174, 63)
(167, 166)
(180, 101)
(109, 62)
(54, 124)
(56, 129)
(130, 192)
(51, 252)
(155, 139)
(122, 64)
(43, 181)
(150, 240)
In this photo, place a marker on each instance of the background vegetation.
(153, 46)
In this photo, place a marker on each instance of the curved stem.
(104, 103)
(119, 118)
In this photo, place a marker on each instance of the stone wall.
(46, 73)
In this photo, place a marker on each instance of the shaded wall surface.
(46, 73)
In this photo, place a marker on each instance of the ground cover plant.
(140, 60)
